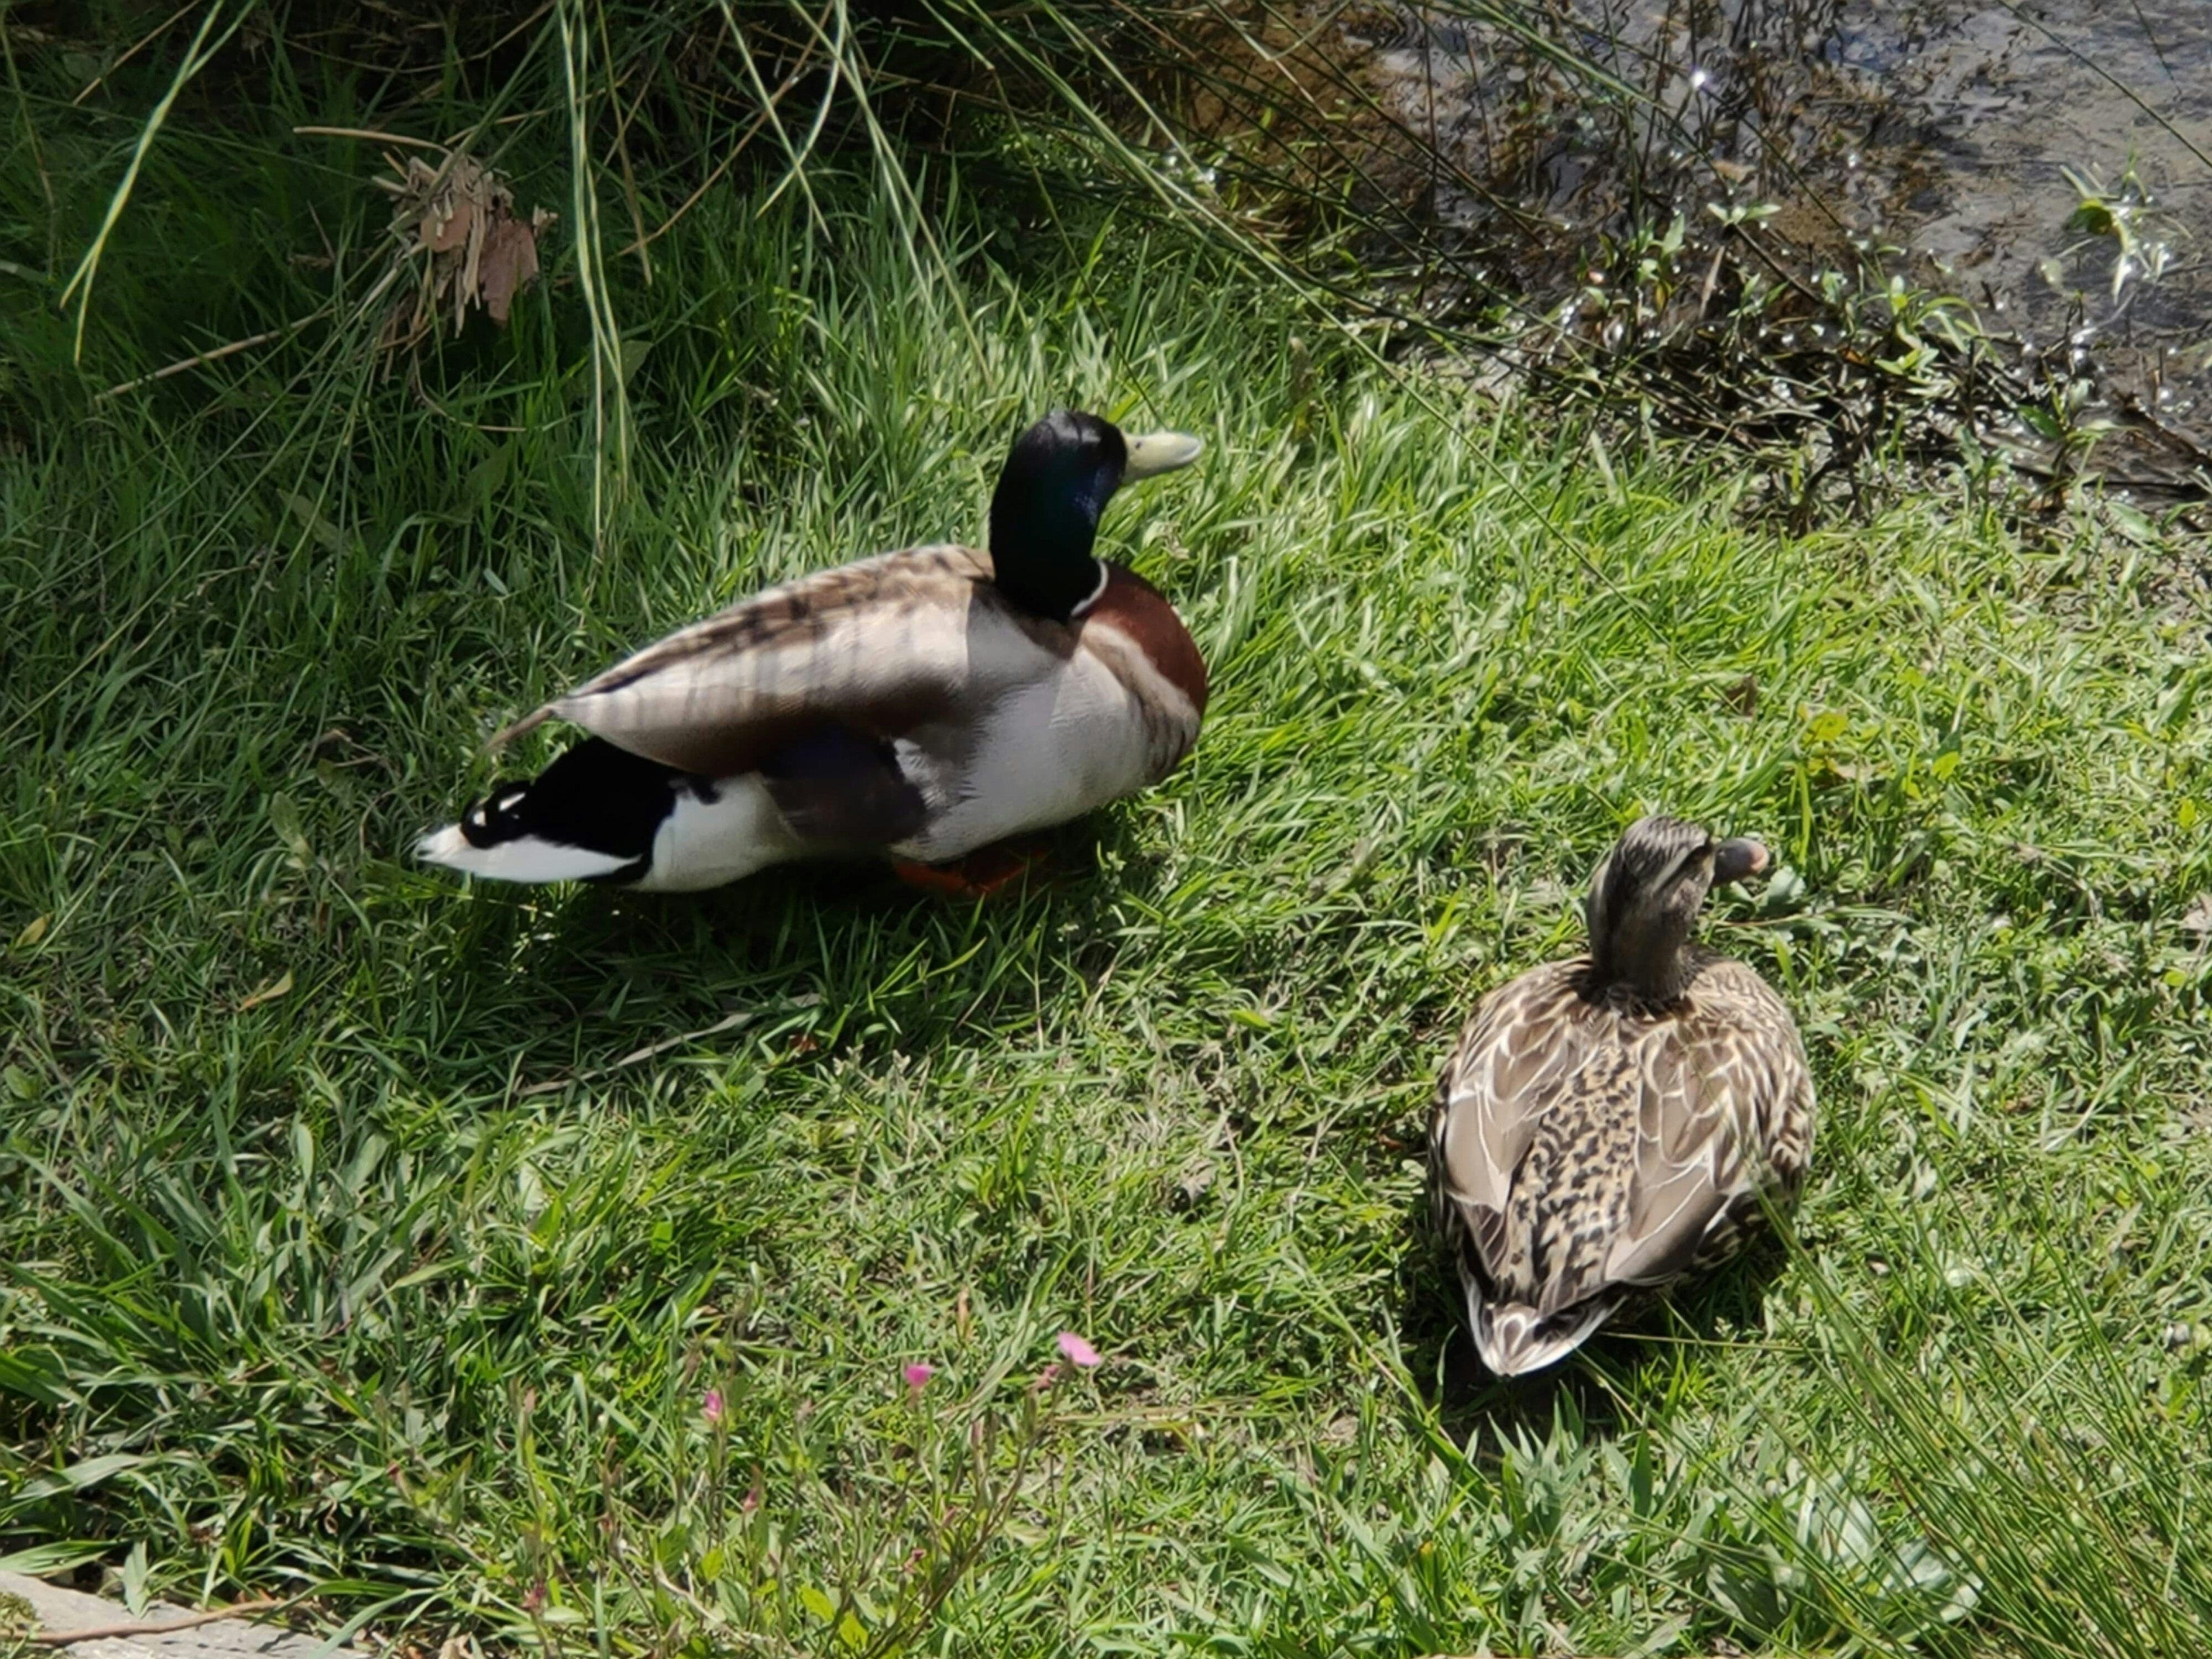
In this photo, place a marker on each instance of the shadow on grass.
(565, 983)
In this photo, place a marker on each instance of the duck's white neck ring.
(1096, 593)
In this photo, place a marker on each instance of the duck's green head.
(1647, 894)
(1044, 515)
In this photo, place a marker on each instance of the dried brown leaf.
(455, 221)
(509, 264)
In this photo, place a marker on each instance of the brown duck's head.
(1645, 900)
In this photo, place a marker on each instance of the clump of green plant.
(2127, 218)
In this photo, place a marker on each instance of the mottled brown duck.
(1610, 1123)
(918, 706)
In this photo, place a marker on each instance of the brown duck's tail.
(1514, 1338)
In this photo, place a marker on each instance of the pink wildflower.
(711, 1406)
(1078, 1352)
(918, 1375)
(1048, 1375)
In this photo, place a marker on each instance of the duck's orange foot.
(983, 872)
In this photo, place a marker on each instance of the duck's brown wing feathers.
(875, 648)
(1507, 1070)
(1577, 1154)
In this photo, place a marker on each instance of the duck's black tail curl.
(593, 815)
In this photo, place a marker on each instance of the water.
(1936, 134)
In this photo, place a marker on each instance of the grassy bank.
(545, 1265)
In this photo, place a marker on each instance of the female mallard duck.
(921, 704)
(1610, 1123)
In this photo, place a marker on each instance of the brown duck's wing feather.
(1694, 1161)
(1582, 1151)
(1506, 1073)
(1737, 1038)
(1724, 1129)
(875, 648)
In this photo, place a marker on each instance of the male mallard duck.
(1612, 1122)
(921, 704)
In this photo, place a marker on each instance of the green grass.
(353, 1241)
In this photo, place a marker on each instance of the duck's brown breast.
(1133, 607)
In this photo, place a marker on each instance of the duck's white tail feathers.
(1514, 1338)
(526, 858)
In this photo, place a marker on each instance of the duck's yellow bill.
(1154, 453)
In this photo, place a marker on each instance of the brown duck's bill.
(1734, 859)
(1154, 453)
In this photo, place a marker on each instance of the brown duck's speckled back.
(1588, 1142)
